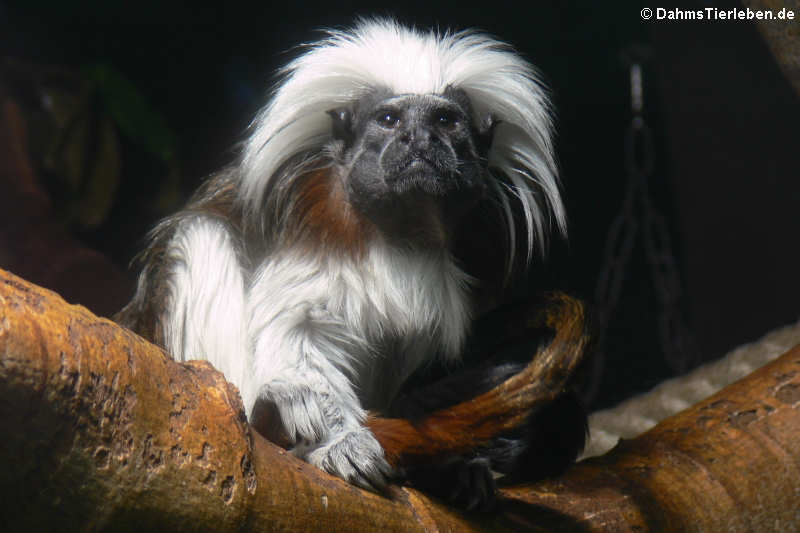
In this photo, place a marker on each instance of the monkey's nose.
(420, 139)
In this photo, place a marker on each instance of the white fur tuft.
(380, 53)
(206, 308)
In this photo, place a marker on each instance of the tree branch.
(103, 431)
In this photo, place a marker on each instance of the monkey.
(379, 206)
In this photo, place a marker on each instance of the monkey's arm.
(304, 358)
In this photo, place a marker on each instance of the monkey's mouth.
(420, 174)
(417, 162)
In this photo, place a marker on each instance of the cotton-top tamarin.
(349, 245)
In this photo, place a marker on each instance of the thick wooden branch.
(100, 430)
(730, 463)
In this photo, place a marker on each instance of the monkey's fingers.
(356, 457)
(475, 486)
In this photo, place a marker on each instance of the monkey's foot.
(474, 485)
(465, 483)
(356, 457)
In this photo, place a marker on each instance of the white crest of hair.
(382, 54)
(342, 313)
(206, 308)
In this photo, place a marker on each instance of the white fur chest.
(376, 318)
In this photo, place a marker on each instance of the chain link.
(638, 215)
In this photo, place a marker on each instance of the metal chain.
(639, 215)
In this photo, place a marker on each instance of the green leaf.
(132, 114)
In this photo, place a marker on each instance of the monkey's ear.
(342, 124)
(485, 134)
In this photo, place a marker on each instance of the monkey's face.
(402, 154)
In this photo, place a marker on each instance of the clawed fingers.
(356, 457)
(474, 485)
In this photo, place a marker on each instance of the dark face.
(411, 160)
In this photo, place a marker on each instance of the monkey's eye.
(446, 119)
(388, 119)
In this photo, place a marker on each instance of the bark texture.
(730, 463)
(100, 430)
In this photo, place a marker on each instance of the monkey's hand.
(355, 456)
(322, 426)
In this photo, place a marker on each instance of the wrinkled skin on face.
(411, 162)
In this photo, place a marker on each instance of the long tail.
(473, 423)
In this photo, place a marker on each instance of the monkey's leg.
(205, 309)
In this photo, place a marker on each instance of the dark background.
(724, 121)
